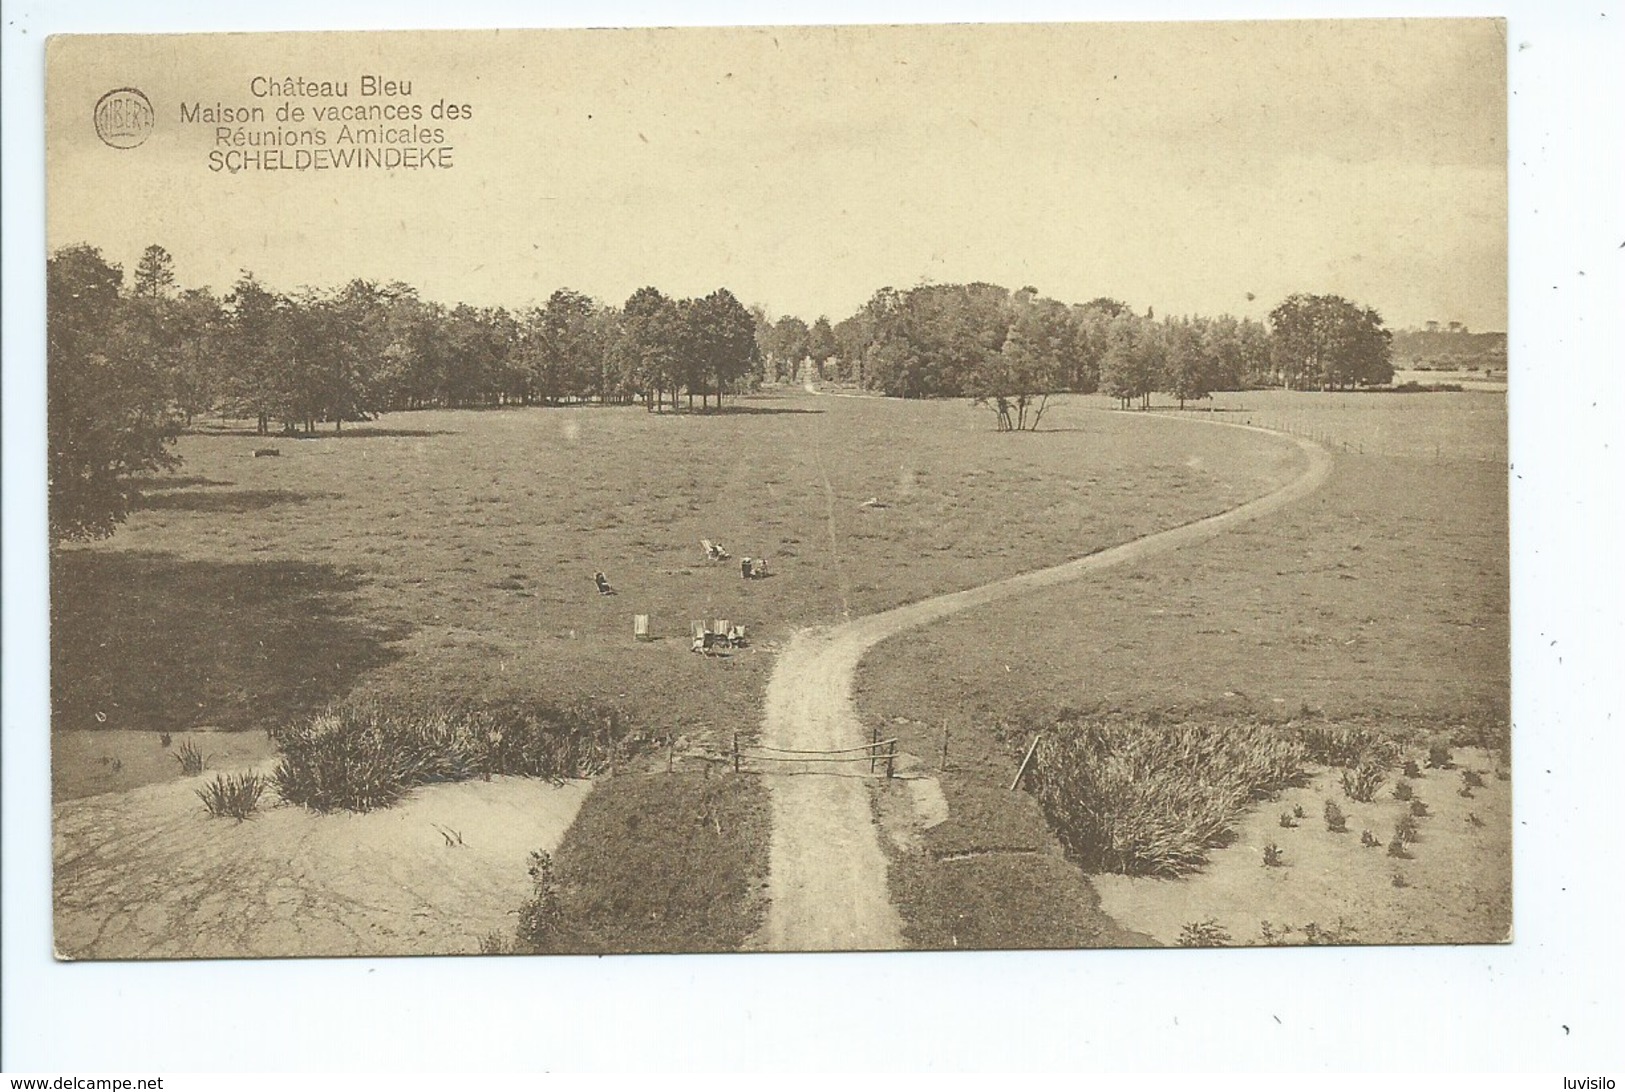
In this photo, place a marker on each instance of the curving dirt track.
(827, 873)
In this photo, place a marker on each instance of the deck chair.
(758, 569)
(714, 550)
(603, 584)
(736, 636)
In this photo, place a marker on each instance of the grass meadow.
(1382, 601)
(446, 558)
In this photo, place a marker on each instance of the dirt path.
(146, 874)
(827, 873)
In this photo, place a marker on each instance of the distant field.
(450, 554)
(1381, 598)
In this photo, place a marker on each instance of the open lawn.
(1381, 599)
(450, 555)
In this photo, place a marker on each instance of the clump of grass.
(1336, 821)
(1150, 798)
(1369, 840)
(1473, 820)
(1440, 755)
(367, 754)
(541, 918)
(1472, 779)
(1337, 744)
(233, 796)
(190, 759)
(1397, 850)
(1399, 879)
(1273, 856)
(1419, 809)
(165, 739)
(1413, 769)
(1361, 783)
(1288, 820)
(1403, 790)
(1298, 812)
(1204, 934)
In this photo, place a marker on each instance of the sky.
(1193, 168)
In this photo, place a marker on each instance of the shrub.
(190, 759)
(1273, 857)
(366, 754)
(1361, 784)
(1151, 798)
(1406, 829)
(1472, 779)
(1369, 840)
(1440, 755)
(1298, 812)
(1203, 934)
(165, 739)
(1336, 822)
(1413, 769)
(1399, 879)
(1396, 848)
(1288, 820)
(1403, 790)
(1473, 820)
(1419, 809)
(235, 795)
(1341, 933)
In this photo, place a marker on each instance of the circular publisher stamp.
(124, 118)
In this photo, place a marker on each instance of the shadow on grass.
(237, 502)
(188, 482)
(146, 640)
(356, 432)
(748, 411)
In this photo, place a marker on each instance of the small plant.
(541, 918)
(1361, 783)
(1473, 820)
(165, 739)
(1204, 934)
(1403, 790)
(1399, 879)
(1298, 812)
(494, 943)
(1369, 840)
(1288, 821)
(1397, 850)
(452, 837)
(232, 796)
(118, 764)
(1341, 933)
(1273, 935)
(1413, 769)
(1503, 774)
(1472, 779)
(1465, 793)
(1273, 857)
(1419, 809)
(190, 758)
(1439, 755)
(1406, 829)
(1336, 821)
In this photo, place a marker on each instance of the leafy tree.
(787, 346)
(1186, 367)
(108, 411)
(1328, 342)
(821, 344)
(650, 345)
(254, 384)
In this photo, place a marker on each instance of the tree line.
(132, 364)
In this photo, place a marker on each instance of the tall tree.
(821, 344)
(108, 415)
(1328, 342)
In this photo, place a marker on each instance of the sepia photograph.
(779, 489)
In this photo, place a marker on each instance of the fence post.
(736, 752)
(891, 757)
(944, 743)
(671, 752)
(874, 746)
